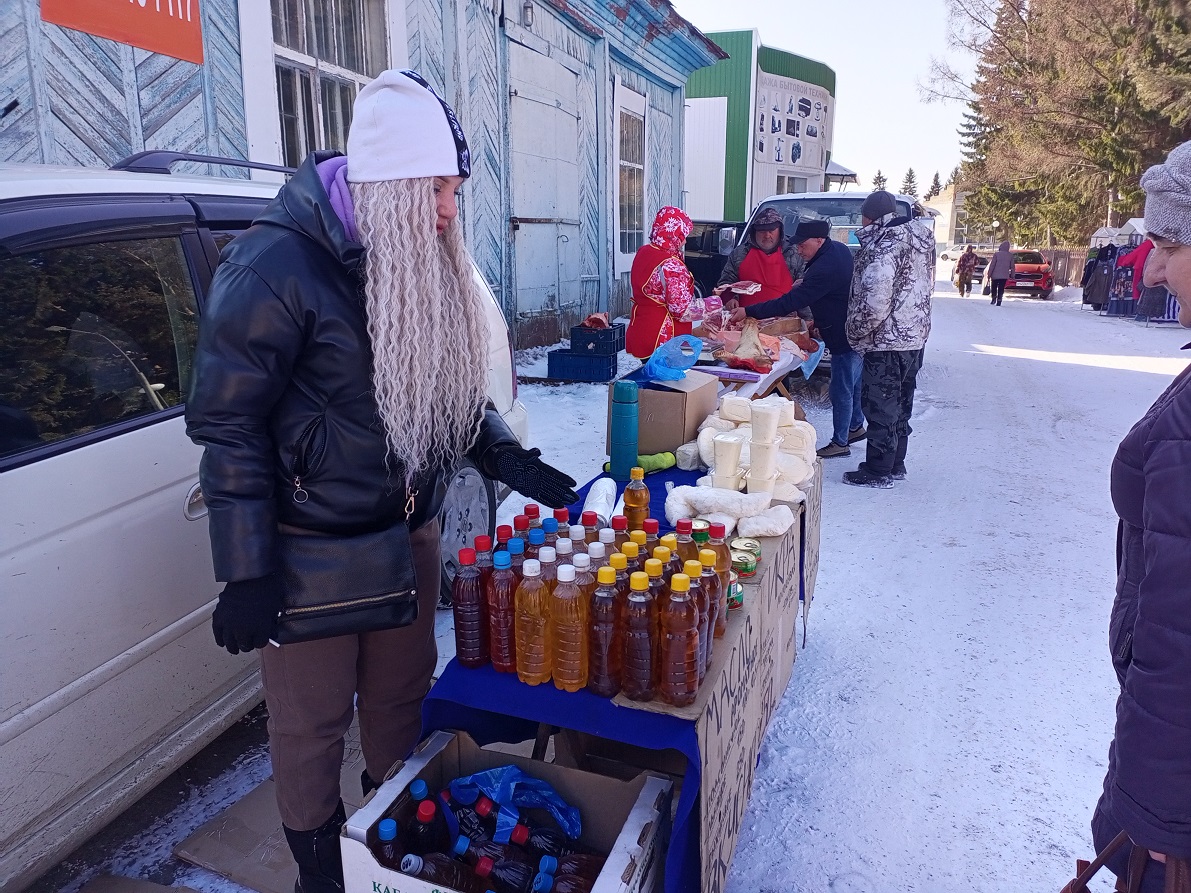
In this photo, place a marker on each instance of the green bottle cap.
(624, 392)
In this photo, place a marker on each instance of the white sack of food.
(706, 442)
(688, 457)
(736, 409)
(714, 421)
(784, 491)
(774, 521)
(794, 469)
(690, 502)
(719, 518)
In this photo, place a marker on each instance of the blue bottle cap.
(387, 829)
(418, 789)
(502, 559)
(461, 844)
(537, 536)
(516, 546)
(542, 883)
(548, 865)
(550, 525)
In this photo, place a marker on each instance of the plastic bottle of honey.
(650, 526)
(568, 616)
(502, 613)
(659, 591)
(563, 550)
(533, 626)
(662, 554)
(620, 527)
(521, 526)
(548, 561)
(578, 537)
(640, 626)
(700, 596)
(680, 645)
(598, 553)
(723, 565)
(607, 538)
(717, 599)
(636, 499)
(550, 526)
(537, 539)
(563, 517)
(470, 609)
(670, 541)
(504, 533)
(591, 526)
(632, 552)
(584, 577)
(534, 513)
(619, 563)
(484, 559)
(517, 555)
(640, 537)
(687, 549)
(604, 637)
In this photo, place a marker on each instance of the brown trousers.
(313, 688)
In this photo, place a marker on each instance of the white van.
(110, 677)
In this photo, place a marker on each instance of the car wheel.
(1045, 293)
(468, 511)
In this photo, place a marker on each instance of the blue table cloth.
(492, 706)
(656, 482)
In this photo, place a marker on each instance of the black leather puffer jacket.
(281, 397)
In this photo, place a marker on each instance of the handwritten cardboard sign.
(170, 27)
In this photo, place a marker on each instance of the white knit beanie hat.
(1168, 196)
(402, 129)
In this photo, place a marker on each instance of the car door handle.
(196, 506)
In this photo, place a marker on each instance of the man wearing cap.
(321, 402)
(825, 286)
(763, 257)
(888, 322)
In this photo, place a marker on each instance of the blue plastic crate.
(567, 365)
(598, 341)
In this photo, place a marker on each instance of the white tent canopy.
(837, 173)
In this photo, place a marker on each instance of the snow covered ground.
(947, 726)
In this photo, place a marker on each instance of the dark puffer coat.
(826, 284)
(1148, 787)
(282, 391)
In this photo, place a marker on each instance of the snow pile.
(1068, 294)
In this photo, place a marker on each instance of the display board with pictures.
(790, 120)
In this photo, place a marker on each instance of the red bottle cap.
(650, 525)
(484, 866)
(718, 531)
(445, 795)
(521, 522)
(484, 807)
(426, 811)
(532, 510)
(483, 543)
(467, 556)
(620, 522)
(562, 516)
(683, 526)
(589, 519)
(519, 835)
(504, 533)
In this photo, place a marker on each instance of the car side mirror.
(727, 239)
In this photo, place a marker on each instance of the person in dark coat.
(1000, 271)
(825, 286)
(1147, 790)
(764, 257)
(340, 376)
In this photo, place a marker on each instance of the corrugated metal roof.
(780, 62)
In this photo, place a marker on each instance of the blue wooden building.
(574, 111)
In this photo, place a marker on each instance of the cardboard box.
(669, 412)
(629, 820)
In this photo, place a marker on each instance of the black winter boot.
(320, 864)
(862, 477)
(367, 785)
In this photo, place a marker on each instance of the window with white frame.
(629, 127)
(324, 52)
(787, 184)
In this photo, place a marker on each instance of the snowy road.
(947, 726)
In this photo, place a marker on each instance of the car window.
(92, 335)
(1027, 257)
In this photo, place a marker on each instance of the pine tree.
(935, 187)
(910, 184)
(879, 182)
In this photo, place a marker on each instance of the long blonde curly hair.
(427, 324)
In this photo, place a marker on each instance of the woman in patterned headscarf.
(664, 301)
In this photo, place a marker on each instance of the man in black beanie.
(824, 287)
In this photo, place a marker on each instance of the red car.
(1031, 272)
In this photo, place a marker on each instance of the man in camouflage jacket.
(889, 322)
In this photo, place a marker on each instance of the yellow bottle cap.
(638, 537)
(637, 474)
(619, 561)
(607, 575)
(639, 581)
(670, 541)
(662, 554)
(680, 583)
(631, 549)
(707, 557)
(693, 569)
(653, 567)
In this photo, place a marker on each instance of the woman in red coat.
(1137, 260)
(663, 291)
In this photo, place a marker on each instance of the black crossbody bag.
(343, 585)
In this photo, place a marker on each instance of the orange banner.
(170, 27)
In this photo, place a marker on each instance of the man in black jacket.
(341, 373)
(825, 287)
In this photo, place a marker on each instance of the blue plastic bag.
(670, 361)
(812, 362)
(511, 790)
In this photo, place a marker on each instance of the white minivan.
(108, 673)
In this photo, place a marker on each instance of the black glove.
(247, 613)
(530, 476)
